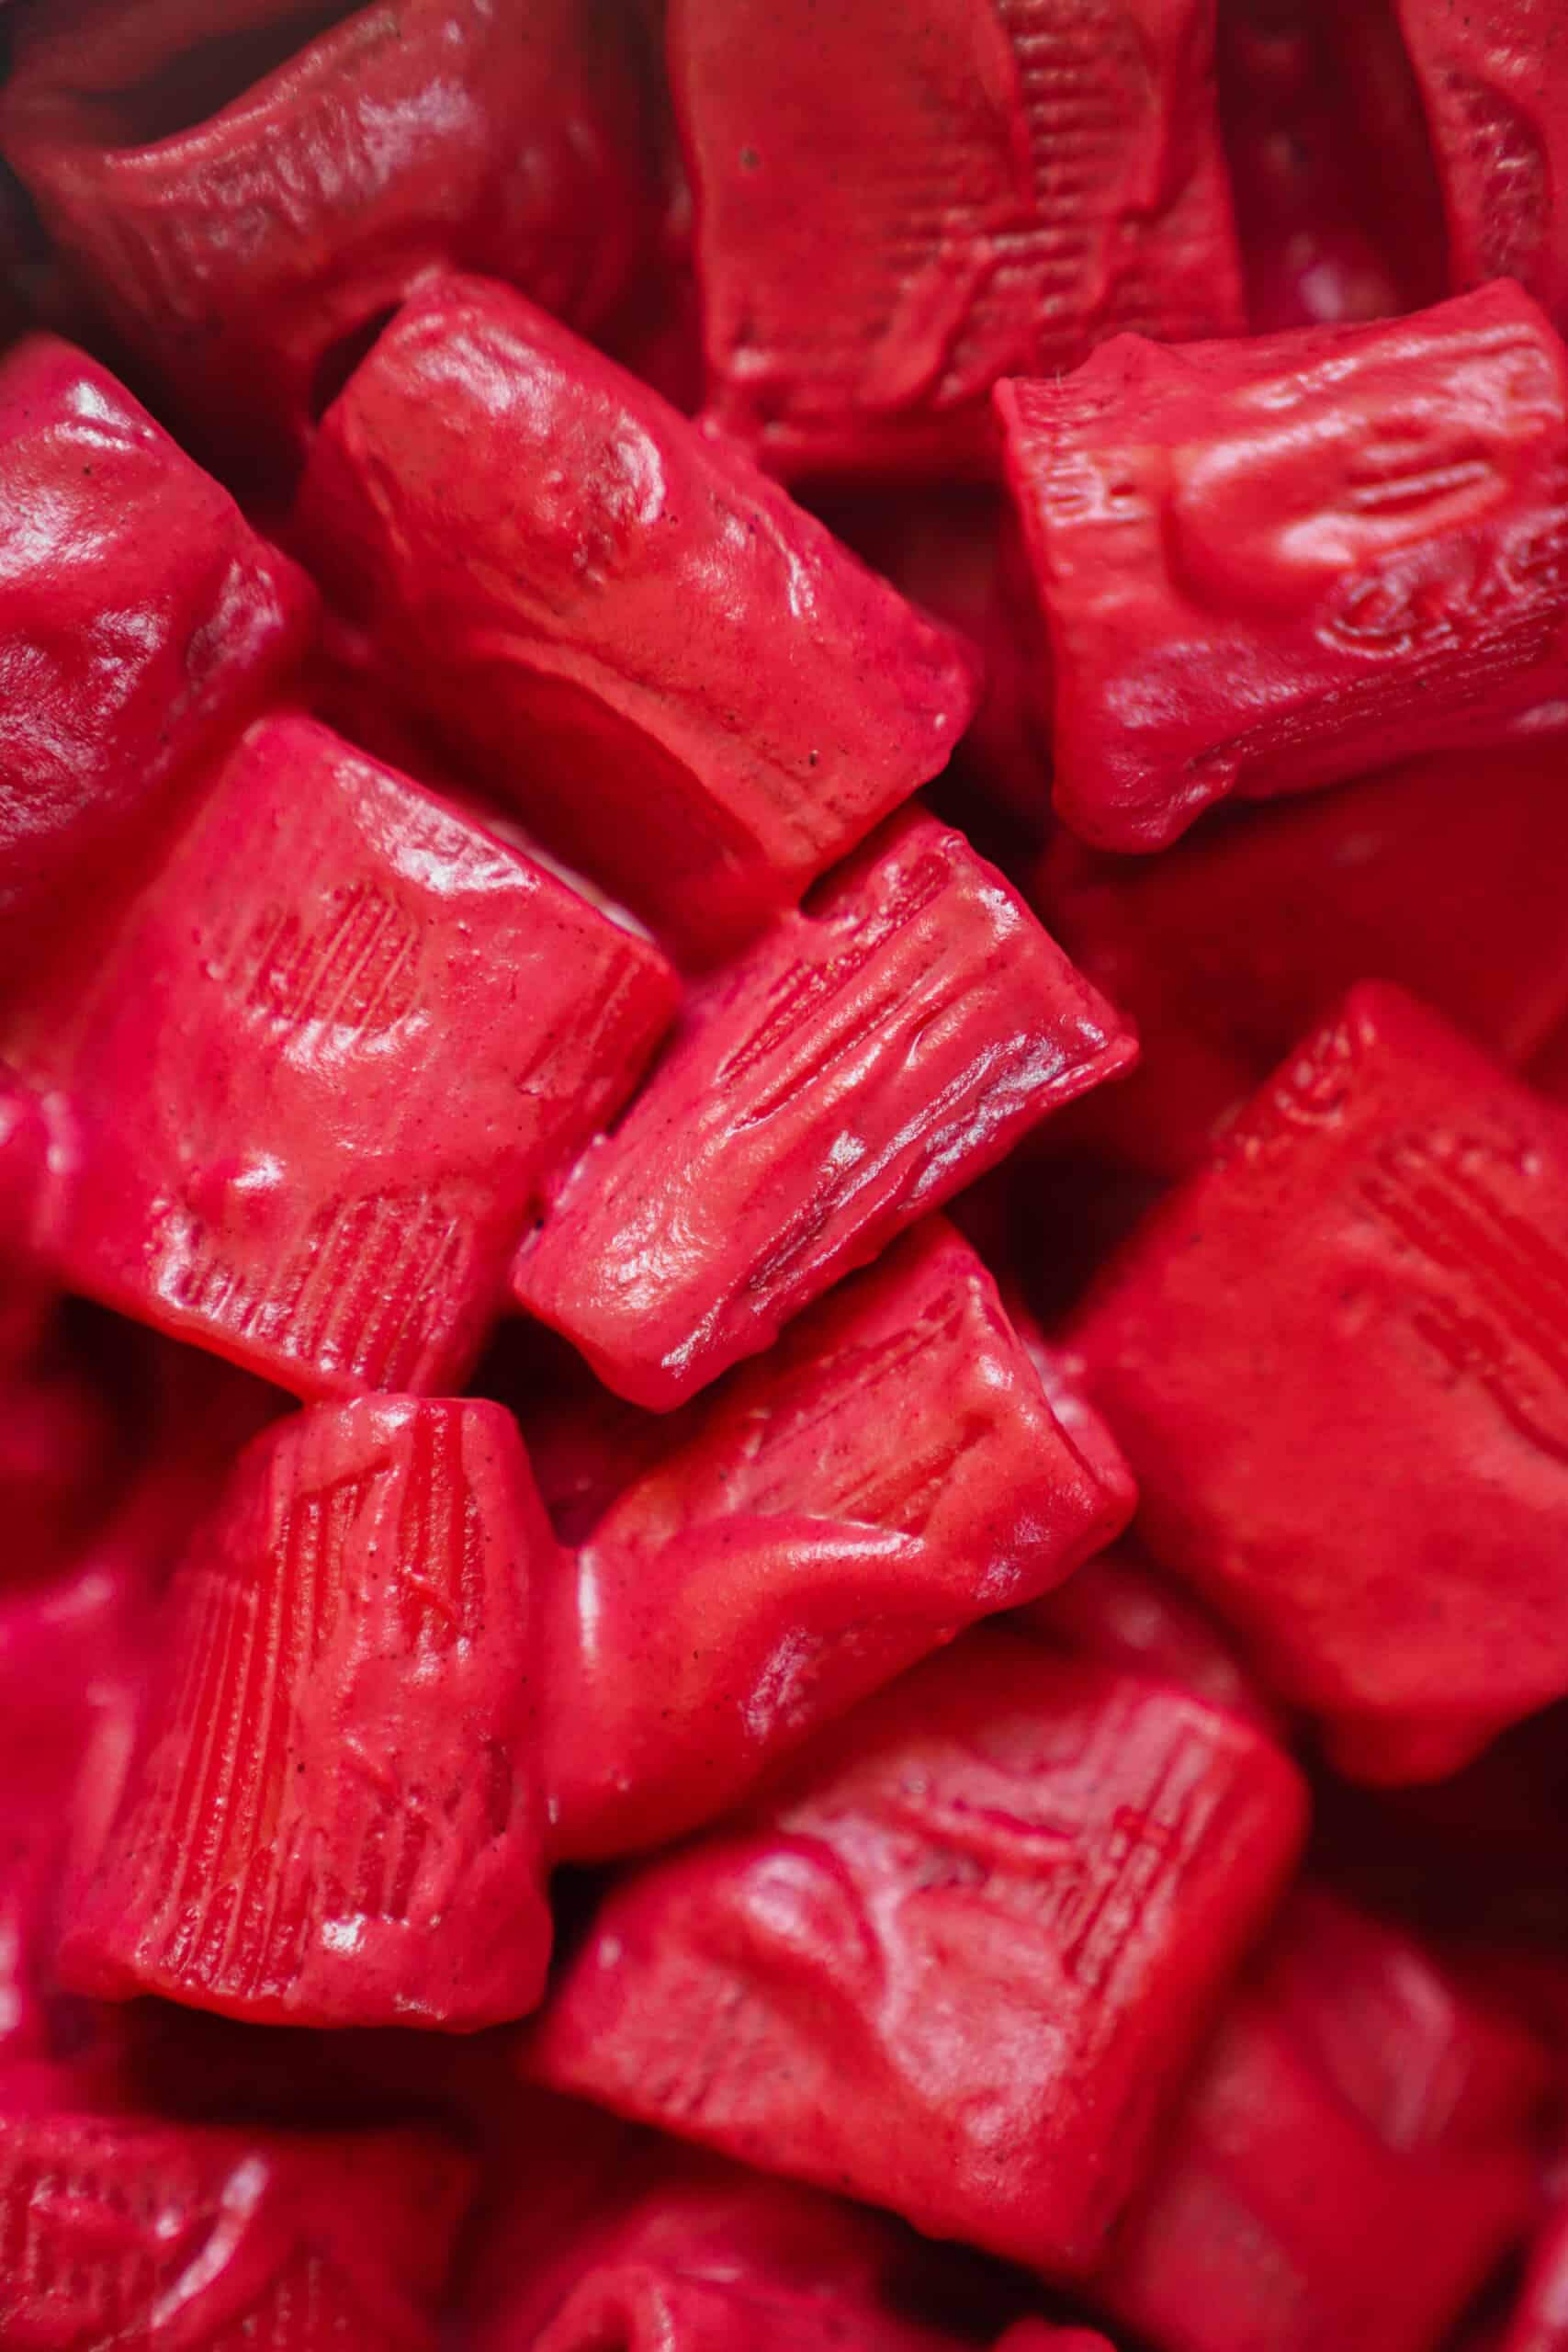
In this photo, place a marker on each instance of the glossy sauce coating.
(540, 912)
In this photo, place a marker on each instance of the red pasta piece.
(1039, 2335)
(187, 2239)
(79, 1653)
(1493, 77)
(341, 1038)
(333, 1816)
(248, 195)
(586, 1445)
(24, 1173)
(1061, 1375)
(1441, 875)
(1337, 1362)
(957, 553)
(1351, 2162)
(1549, 1070)
(1119, 1609)
(637, 2305)
(785, 1559)
(957, 1965)
(669, 2249)
(1331, 227)
(141, 620)
(893, 212)
(1538, 2322)
(30, 1202)
(1272, 564)
(691, 689)
(71, 1656)
(1470, 1861)
(61, 1451)
(866, 1058)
